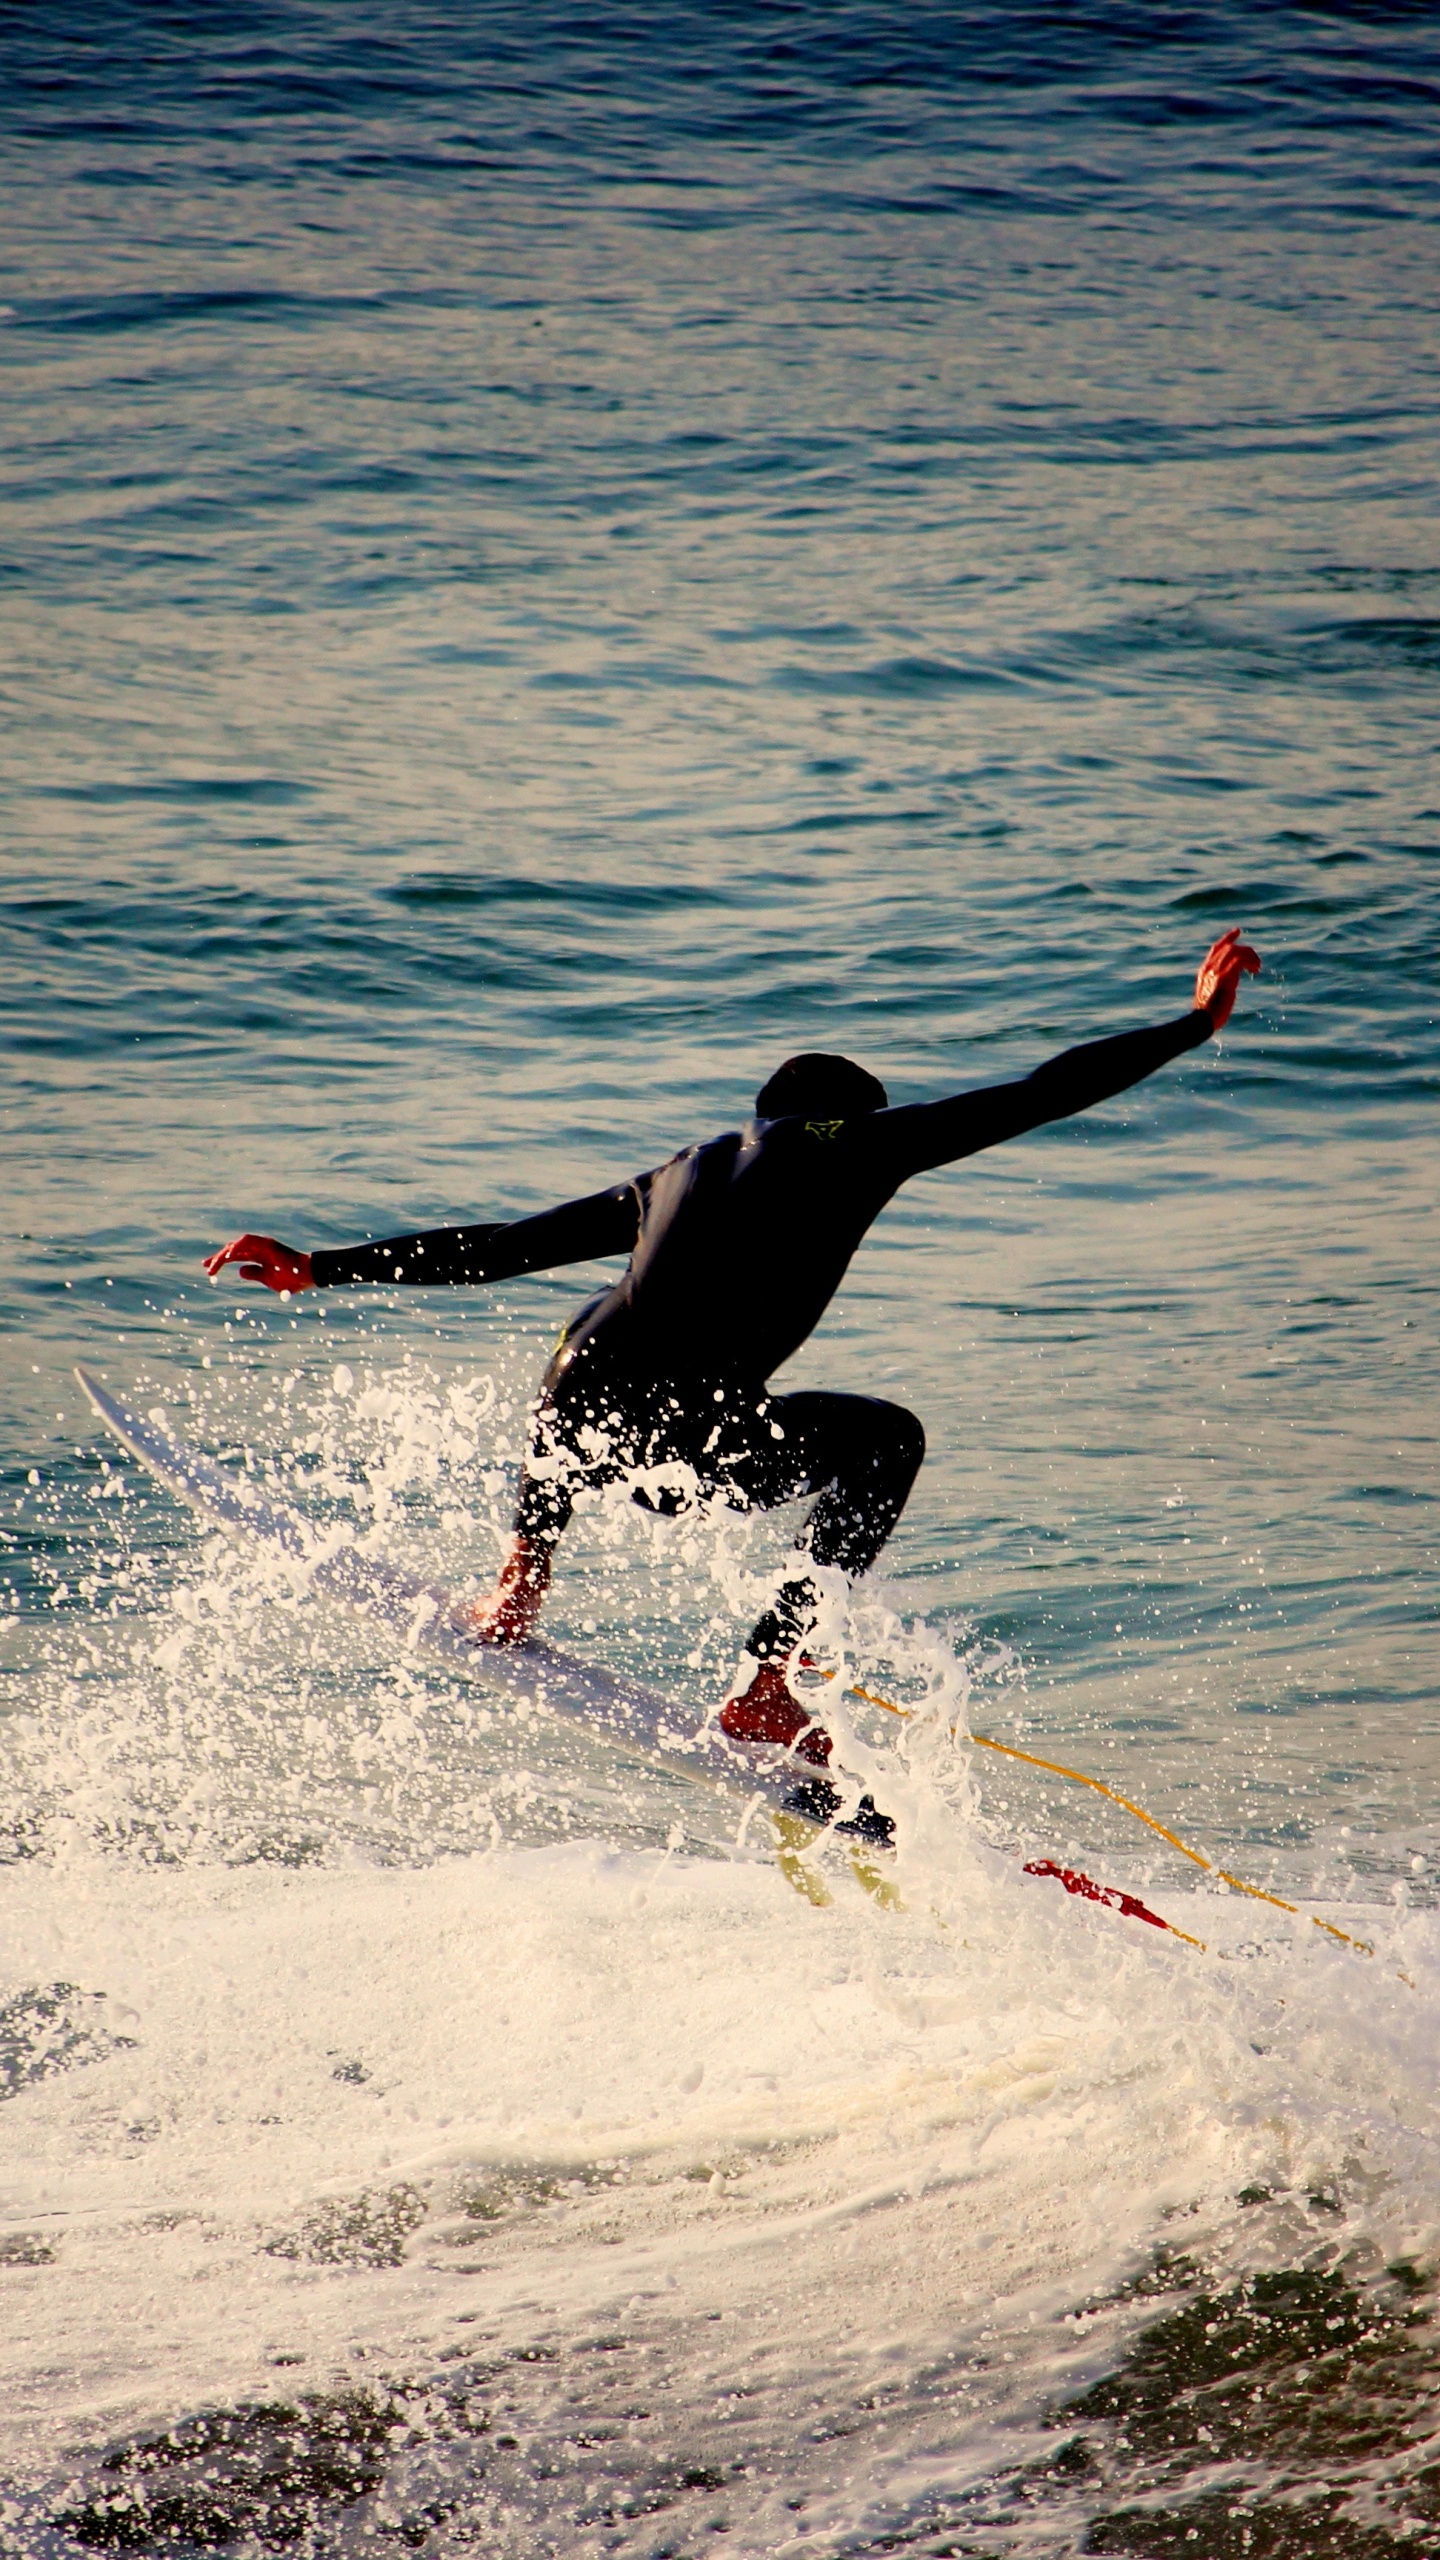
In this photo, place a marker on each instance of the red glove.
(261, 1258)
(1220, 973)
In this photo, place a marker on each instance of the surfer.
(736, 1247)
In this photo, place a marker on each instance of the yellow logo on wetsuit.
(823, 1128)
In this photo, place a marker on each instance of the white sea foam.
(344, 2117)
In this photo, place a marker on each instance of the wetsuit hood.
(816, 1086)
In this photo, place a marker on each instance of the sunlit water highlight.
(543, 574)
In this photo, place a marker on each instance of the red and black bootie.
(769, 1711)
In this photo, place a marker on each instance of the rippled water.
(551, 559)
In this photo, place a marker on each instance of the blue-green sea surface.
(552, 558)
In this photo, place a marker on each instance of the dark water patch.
(1260, 896)
(1317, 2395)
(850, 821)
(250, 790)
(819, 635)
(896, 679)
(269, 2473)
(359, 2231)
(1297, 2362)
(55, 2028)
(620, 674)
(454, 653)
(280, 1849)
(1404, 640)
(230, 305)
(603, 897)
(1290, 2415)
(280, 2475)
(1221, 2525)
(1021, 199)
(27, 2249)
(523, 2188)
(1183, 642)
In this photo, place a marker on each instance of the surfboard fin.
(795, 1838)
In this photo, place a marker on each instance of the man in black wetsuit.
(736, 1247)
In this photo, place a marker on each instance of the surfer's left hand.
(1219, 977)
(260, 1258)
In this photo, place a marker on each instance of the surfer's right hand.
(261, 1258)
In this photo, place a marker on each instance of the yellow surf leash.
(1056, 1769)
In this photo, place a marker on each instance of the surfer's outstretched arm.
(607, 1222)
(925, 1134)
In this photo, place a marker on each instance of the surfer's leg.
(557, 1463)
(861, 1456)
(865, 1455)
(510, 1613)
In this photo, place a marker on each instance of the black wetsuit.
(736, 1248)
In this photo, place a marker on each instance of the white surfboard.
(425, 1617)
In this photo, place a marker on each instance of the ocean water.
(552, 558)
